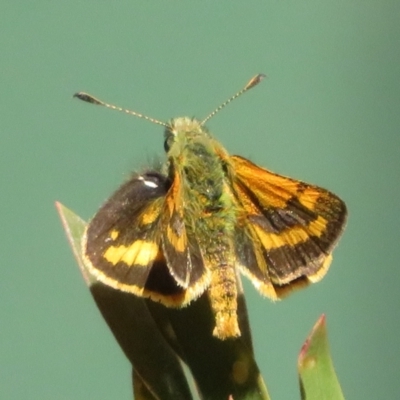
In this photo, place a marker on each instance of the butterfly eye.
(169, 140)
(167, 145)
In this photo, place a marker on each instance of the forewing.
(289, 228)
(128, 244)
(122, 241)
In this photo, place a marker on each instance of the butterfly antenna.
(90, 99)
(253, 82)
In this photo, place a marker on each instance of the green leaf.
(156, 339)
(318, 380)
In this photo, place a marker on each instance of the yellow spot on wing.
(317, 227)
(114, 234)
(309, 197)
(178, 242)
(139, 252)
(151, 213)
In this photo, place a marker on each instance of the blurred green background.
(329, 113)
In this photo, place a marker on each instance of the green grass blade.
(318, 379)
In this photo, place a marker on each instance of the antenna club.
(91, 99)
(255, 81)
(88, 98)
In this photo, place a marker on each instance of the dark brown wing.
(288, 231)
(125, 241)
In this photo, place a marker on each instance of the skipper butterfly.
(190, 226)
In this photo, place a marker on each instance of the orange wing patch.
(293, 227)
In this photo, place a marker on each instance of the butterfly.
(193, 224)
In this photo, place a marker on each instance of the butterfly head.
(180, 133)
